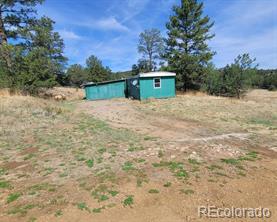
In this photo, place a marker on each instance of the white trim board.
(156, 74)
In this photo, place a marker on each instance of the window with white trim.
(157, 83)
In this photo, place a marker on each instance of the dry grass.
(255, 114)
(60, 162)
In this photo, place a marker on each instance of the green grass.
(83, 206)
(2, 171)
(231, 161)
(58, 213)
(214, 167)
(220, 174)
(250, 156)
(187, 191)
(12, 197)
(113, 193)
(150, 138)
(153, 191)
(21, 210)
(102, 150)
(101, 193)
(90, 163)
(127, 166)
(129, 201)
(133, 148)
(262, 121)
(177, 168)
(29, 156)
(43, 186)
(4, 184)
(193, 161)
(96, 210)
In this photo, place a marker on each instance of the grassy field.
(124, 160)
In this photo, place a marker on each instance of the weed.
(182, 174)
(231, 161)
(129, 201)
(149, 138)
(187, 191)
(102, 150)
(2, 171)
(21, 210)
(133, 148)
(240, 173)
(251, 156)
(153, 191)
(140, 160)
(58, 213)
(167, 184)
(81, 158)
(13, 196)
(32, 219)
(160, 154)
(221, 174)
(127, 166)
(113, 192)
(83, 206)
(96, 210)
(176, 167)
(214, 167)
(29, 156)
(43, 186)
(63, 174)
(48, 171)
(90, 163)
(193, 161)
(103, 197)
(4, 184)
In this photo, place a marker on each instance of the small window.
(157, 83)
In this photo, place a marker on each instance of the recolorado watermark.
(233, 212)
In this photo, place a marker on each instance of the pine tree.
(14, 15)
(187, 52)
(96, 71)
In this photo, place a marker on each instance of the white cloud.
(110, 24)
(69, 35)
(106, 24)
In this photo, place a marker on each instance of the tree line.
(31, 54)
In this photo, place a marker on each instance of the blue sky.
(109, 29)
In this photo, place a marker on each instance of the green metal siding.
(105, 91)
(147, 89)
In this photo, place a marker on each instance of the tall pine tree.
(187, 51)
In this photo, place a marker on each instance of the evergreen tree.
(96, 71)
(187, 52)
(14, 15)
(42, 36)
(77, 75)
(38, 60)
(233, 79)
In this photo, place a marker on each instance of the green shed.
(151, 85)
(105, 90)
(143, 86)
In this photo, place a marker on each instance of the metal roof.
(101, 83)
